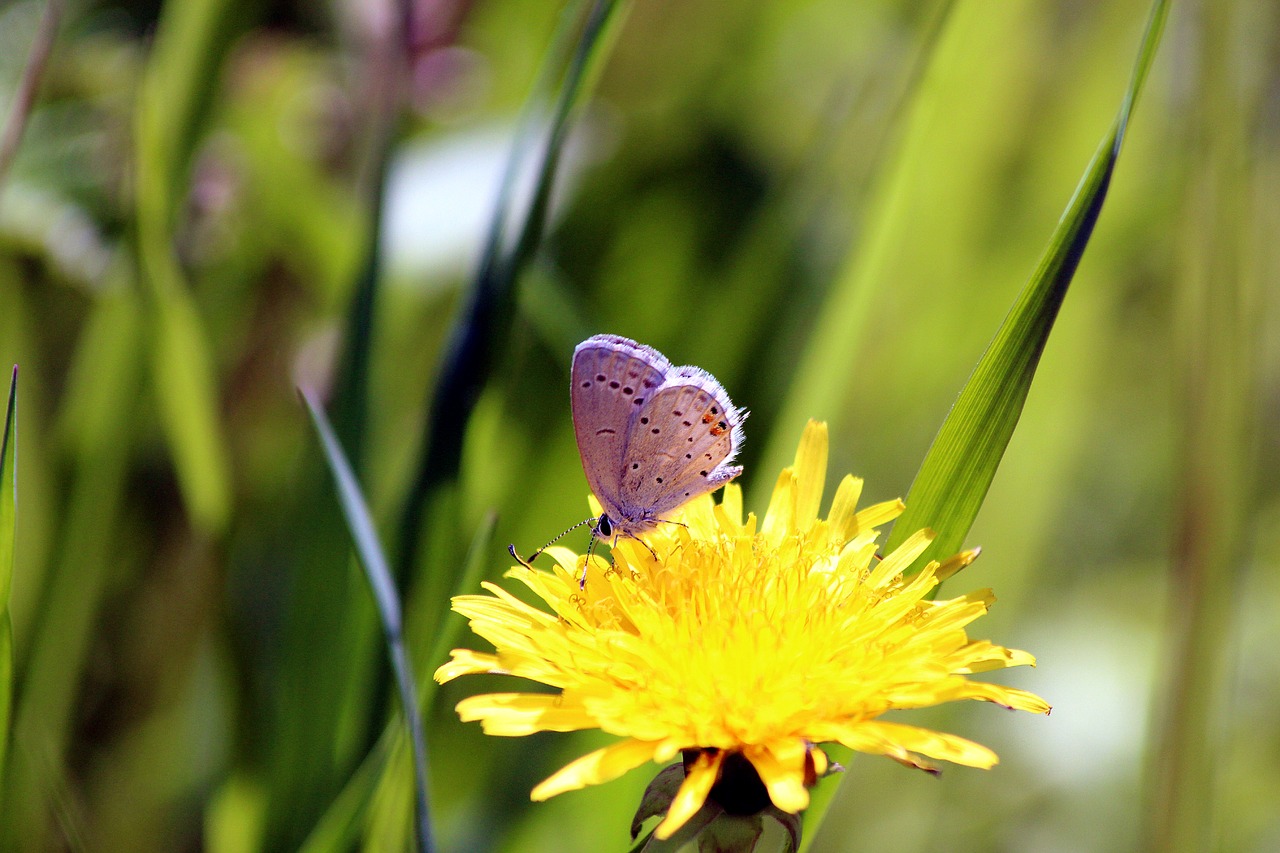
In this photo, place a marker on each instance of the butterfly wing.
(613, 378)
(681, 443)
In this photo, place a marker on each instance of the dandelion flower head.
(737, 637)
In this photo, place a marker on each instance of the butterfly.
(651, 436)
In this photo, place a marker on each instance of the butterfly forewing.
(681, 442)
(612, 380)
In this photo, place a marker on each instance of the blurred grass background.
(217, 201)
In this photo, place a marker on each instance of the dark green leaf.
(485, 324)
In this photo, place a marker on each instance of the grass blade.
(1222, 296)
(959, 467)
(385, 92)
(8, 531)
(98, 426)
(175, 95)
(957, 471)
(383, 586)
(338, 827)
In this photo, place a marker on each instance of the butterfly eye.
(605, 527)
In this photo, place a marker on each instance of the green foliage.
(378, 572)
(828, 205)
(487, 318)
(174, 95)
(958, 469)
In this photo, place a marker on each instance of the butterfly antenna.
(538, 553)
(591, 547)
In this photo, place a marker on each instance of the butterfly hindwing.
(681, 443)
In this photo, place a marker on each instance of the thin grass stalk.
(8, 531)
(487, 318)
(1218, 345)
(386, 80)
(383, 587)
(24, 97)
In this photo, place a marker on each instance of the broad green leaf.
(956, 473)
(958, 469)
(8, 531)
(340, 824)
(382, 584)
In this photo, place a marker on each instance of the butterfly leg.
(601, 528)
(652, 553)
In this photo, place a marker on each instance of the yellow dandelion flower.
(738, 639)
